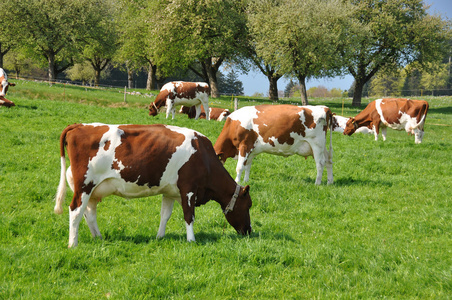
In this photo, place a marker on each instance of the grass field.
(383, 230)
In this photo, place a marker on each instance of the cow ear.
(11, 84)
(246, 190)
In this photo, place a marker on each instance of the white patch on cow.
(100, 166)
(223, 115)
(380, 112)
(190, 232)
(189, 195)
(4, 82)
(169, 87)
(178, 159)
(247, 113)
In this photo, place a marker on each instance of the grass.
(382, 230)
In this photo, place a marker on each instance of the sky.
(256, 82)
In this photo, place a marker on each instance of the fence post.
(125, 94)
(236, 104)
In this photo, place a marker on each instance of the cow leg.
(75, 216)
(376, 128)
(188, 201)
(319, 157)
(170, 108)
(165, 214)
(383, 132)
(198, 111)
(91, 217)
(418, 134)
(329, 166)
(206, 109)
(240, 167)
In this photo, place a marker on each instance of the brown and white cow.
(215, 113)
(340, 122)
(277, 129)
(398, 114)
(4, 89)
(134, 161)
(177, 93)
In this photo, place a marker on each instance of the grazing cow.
(4, 89)
(134, 161)
(182, 93)
(215, 113)
(340, 122)
(398, 114)
(277, 129)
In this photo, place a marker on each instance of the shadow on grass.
(202, 238)
(31, 107)
(348, 181)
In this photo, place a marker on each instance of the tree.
(230, 84)
(140, 40)
(206, 32)
(302, 37)
(57, 29)
(288, 89)
(102, 41)
(384, 85)
(389, 35)
(435, 80)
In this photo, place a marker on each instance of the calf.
(134, 161)
(215, 113)
(398, 114)
(4, 89)
(182, 93)
(277, 129)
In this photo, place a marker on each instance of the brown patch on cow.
(141, 152)
(107, 145)
(392, 109)
(279, 121)
(83, 144)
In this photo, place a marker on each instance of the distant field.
(382, 230)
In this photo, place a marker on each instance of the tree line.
(299, 39)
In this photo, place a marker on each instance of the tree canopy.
(389, 35)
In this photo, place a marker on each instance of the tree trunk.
(304, 95)
(152, 80)
(129, 78)
(212, 75)
(358, 92)
(96, 76)
(52, 73)
(273, 90)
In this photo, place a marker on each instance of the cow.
(277, 129)
(398, 114)
(215, 113)
(340, 122)
(4, 89)
(177, 93)
(134, 161)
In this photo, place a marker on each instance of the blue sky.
(256, 82)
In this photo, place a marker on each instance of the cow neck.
(230, 206)
(159, 102)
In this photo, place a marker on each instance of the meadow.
(382, 230)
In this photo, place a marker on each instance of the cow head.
(3, 101)
(153, 109)
(237, 212)
(350, 127)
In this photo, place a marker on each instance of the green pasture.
(382, 230)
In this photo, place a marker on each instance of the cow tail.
(61, 192)
(423, 113)
(330, 119)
